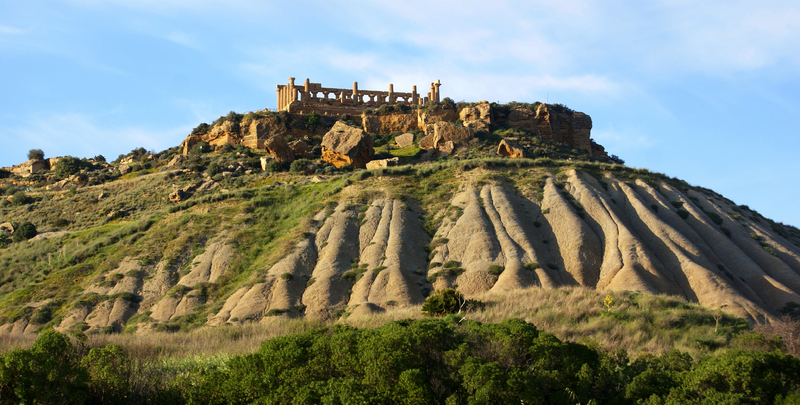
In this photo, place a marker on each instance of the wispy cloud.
(183, 39)
(9, 30)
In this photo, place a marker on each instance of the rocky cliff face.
(560, 125)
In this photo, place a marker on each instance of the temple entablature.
(312, 97)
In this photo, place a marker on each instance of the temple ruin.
(312, 97)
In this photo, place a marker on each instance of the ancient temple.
(312, 97)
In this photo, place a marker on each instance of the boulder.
(279, 148)
(344, 145)
(386, 124)
(177, 196)
(124, 169)
(404, 140)
(509, 147)
(300, 148)
(8, 226)
(426, 142)
(375, 164)
(264, 161)
(477, 117)
(427, 119)
(309, 169)
(176, 161)
(444, 132)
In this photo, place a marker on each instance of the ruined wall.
(313, 97)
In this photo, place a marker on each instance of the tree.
(35, 154)
(67, 166)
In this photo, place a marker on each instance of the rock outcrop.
(377, 164)
(404, 140)
(509, 147)
(449, 137)
(477, 117)
(345, 145)
(389, 123)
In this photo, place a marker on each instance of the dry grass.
(636, 323)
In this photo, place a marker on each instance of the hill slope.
(241, 245)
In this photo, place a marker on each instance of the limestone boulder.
(426, 142)
(509, 147)
(176, 161)
(300, 148)
(387, 124)
(444, 132)
(404, 140)
(279, 149)
(124, 169)
(376, 164)
(477, 117)
(427, 119)
(177, 196)
(344, 145)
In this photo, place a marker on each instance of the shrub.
(99, 158)
(532, 266)
(213, 169)
(273, 166)
(200, 148)
(443, 302)
(201, 129)
(683, 213)
(495, 270)
(286, 276)
(35, 154)
(298, 165)
(67, 166)
(450, 264)
(19, 198)
(312, 121)
(25, 231)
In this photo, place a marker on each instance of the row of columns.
(288, 93)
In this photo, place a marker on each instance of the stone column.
(391, 95)
(414, 96)
(437, 84)
(278, 90)
(356, 98)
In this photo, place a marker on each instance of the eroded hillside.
(374, 240)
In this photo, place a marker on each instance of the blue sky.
(707, 91)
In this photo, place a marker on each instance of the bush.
(99, 158)
(19, 198)
(35, 154)
(200, 148)
(443, 302)
(273, 166)
(24, 232)
(495, 270)
(48, 373)
(212, 169)
(298, 165)
(67, 166)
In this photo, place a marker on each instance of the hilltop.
(261, 216)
